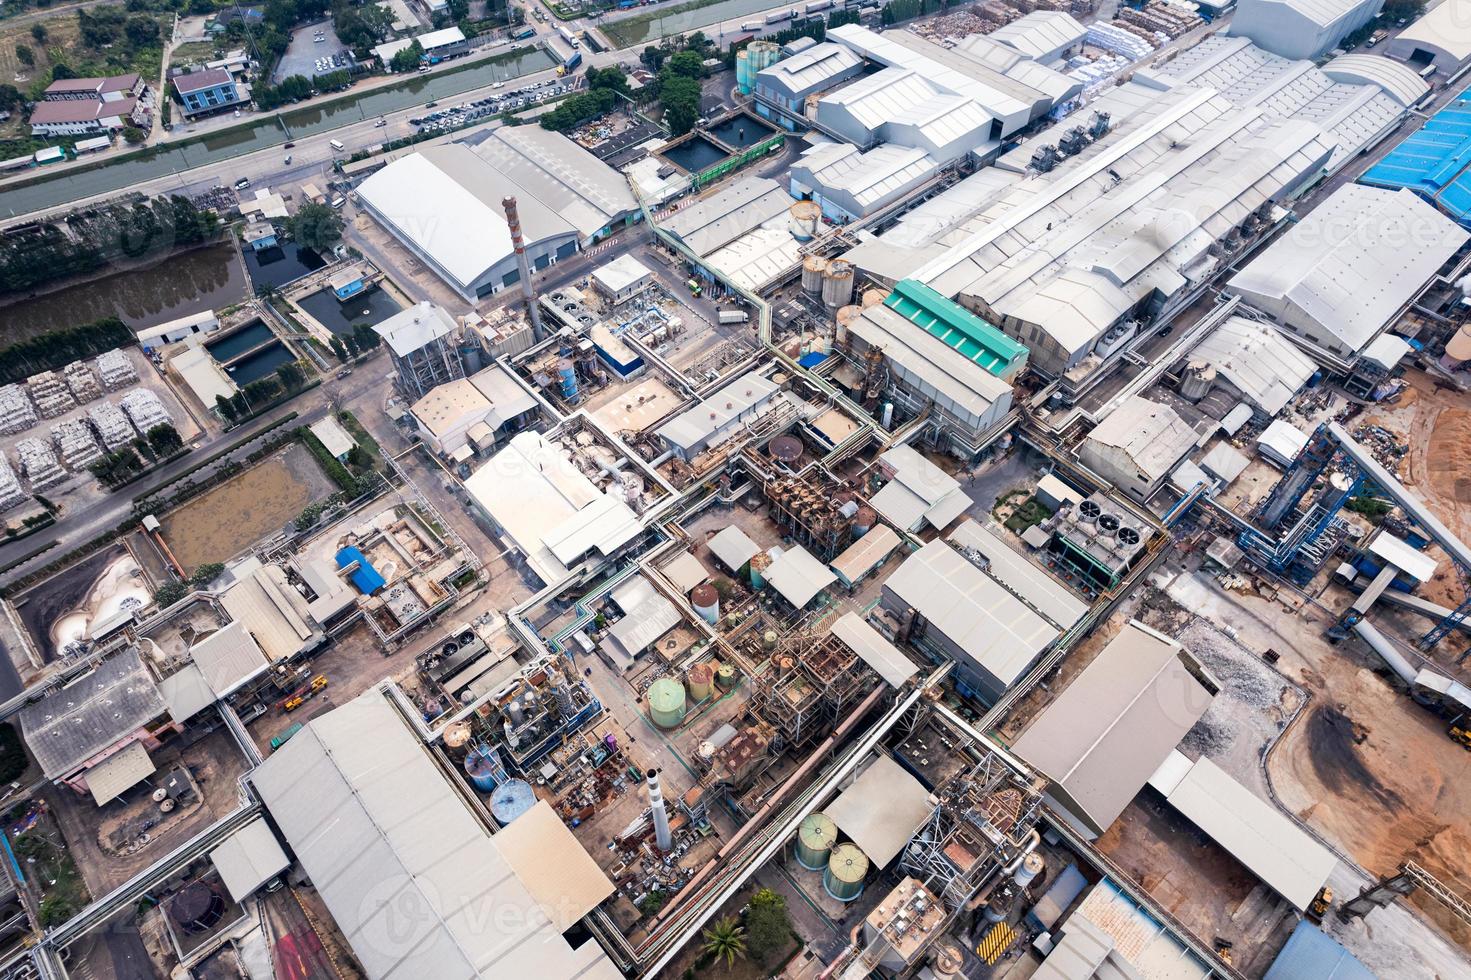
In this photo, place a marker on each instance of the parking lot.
(305, 52)
(469, 112)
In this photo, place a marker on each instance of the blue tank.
(568, 376)
(511, 799)
(481, 769)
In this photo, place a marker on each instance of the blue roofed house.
(211, 90)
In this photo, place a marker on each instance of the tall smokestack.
(523, 267)
(662, 839)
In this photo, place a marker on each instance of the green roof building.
(948, 321)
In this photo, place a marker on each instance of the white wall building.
(1045, 36)
(1137, 445)
(1301, 28)
(850, 184)
(1441, 37)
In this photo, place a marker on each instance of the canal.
(266, 132)
(168, 287)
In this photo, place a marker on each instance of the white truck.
(734, 316)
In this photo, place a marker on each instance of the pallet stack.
(11, 492)
(76, 444)
(17, 414)
(50, 393)
(38, 463)
(116, 370)
(112, 425)
(146, 410)
(82, 382)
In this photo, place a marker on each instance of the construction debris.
(146, 410)
(38, 463)
(17, 414)
(50, 393)
(82, 382)
(76, 443)
(111, 425)
(116, 370)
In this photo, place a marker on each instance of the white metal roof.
(1399, 81)
(996, 630)
(407, 872)
(555, 868)
(941, 494)
(332, 436)
(887, 660)
(74, 723)
(1041, 33)
(228, 658)
(798, 576)
(561, 175)
(708, 223)
(1395, 550)
(186, 693)
(743, 398)
(863, 181)
(1108, 731)
(733, 547)
(1444, 27)
(1284, 439)
(414, 328)
(204, 375)
(1346, 269)
(865, 553)
(1224, 461)
(809, 70)
(881, 810)
(248, 858)
(119, 772)
(914, 354)
(1259, 835)
(622, 272)
(1029, 581)
(645, 623)
(1150, 433)
(548, 507)
(1257, 359)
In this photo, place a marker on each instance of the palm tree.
(726, 940)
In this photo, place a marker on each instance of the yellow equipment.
(1461, 736)
(1320, 905)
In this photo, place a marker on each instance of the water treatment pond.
(371, 306)
(237, 343)
(694, 154)
(741, 131)
(280, 264)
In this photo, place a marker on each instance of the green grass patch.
(1032, 511)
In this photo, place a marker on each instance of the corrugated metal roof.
(1310, 954)
(249, 858)
(686, 572)
(119, 772)
(866, 553)
(1262, 364)
(1270, 843)
(708, 223)
(733, 547)
(744, 398)
(946, 319)
(881, 810)
(798, 576)
(1041, 33)
(407, 872)
(1029, 581)
(186, 693)
(1108, 731)
(228, 658)
(1150, 433)
(71, 724)
(887, 660)
(1417, 564)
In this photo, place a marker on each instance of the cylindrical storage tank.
(760, 562)
(864, 520)
(567, 374)
(727, 676)
(456, 736)
(873, 297)
(706, 601)
(837, 284)
(1457, 349)
(511, 799)
(815, 841)
(196, 908)
(701, 679)
(846, 316)
(666, 702)
(743, 71)
(1030, 868)
(813, 268)
(845, 872)
(804, 218)
(480, 770)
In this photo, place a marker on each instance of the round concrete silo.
(815, 841)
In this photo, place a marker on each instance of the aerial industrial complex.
(986, 499)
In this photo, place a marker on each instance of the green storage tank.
(845, 872)
(815, 841)
(666, 702)
(726, 677)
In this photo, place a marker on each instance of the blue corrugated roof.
(1434, 162)
(366, 578)
(1311, 954)
(812, 359)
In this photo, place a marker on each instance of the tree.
(25, 55)
(610, 78)
(359, 457)
(38, 31)
(164, 439)
(291, 376)
(768, 927)
(55, 909)
(338, 349)
(227, 410)
(367, 338)
(170, 593)
(686, 63)
(725, 940)
(653, 57)
(133, 135)
(408, 59)
(680, 97)
(206, 573)
(141, 31)
(10, 98)
(60, 73)
(317, 227)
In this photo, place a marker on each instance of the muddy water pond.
(226, 520)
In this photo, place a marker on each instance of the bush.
(13, 761)
(768, 927)
(132, 135)
(206, 573)
(55, 910)
(170, 593)
(573, 112)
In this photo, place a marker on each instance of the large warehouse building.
(1341, 276)
(443, 203)
(1301, 28)
(1442, 37)
(1127, 228)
